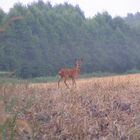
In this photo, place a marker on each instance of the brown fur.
(70, 73)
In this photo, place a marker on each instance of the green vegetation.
(3, 73)
(50, 37)
(43, 79)
(10, 115)
(4, 80)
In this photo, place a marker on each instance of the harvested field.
(98, 109)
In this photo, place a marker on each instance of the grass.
(99, 108)
(15, 80)
(3, 73)
(44, 79)
(4, 80)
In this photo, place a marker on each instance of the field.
(105, 108)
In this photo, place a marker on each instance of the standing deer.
(70, 73)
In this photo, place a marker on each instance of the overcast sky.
(89, 7)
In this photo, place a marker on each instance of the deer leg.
(66, 82)
(59, 81)
(74, 82)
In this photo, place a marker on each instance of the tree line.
(48, 37)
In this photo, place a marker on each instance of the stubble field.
(106, 108)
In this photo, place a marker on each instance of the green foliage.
(134, 70)
(7, 129)
(10, 104)
(43, 79)
(50, 37)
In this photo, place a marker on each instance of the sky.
(89, 7)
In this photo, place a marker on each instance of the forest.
(48, 38)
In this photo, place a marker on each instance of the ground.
(104, 108)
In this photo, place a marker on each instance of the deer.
(70, 73)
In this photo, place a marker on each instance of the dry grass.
(98, 109)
